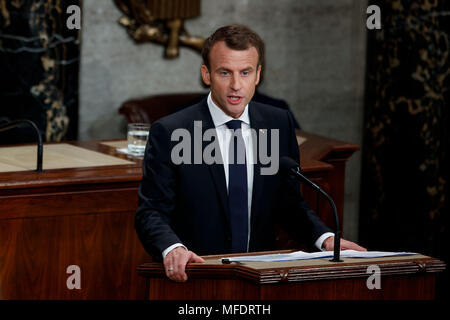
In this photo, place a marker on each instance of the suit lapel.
(259, 126)
(216, 169)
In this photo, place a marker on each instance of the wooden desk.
(85, 217)
(404, 277)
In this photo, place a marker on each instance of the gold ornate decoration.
(161, 21)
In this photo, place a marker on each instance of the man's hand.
(328, 245)
(175, 263)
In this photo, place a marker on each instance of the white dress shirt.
(224, 135)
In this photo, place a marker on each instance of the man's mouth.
(234, 99)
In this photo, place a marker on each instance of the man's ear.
(258, 75)
(206, 76)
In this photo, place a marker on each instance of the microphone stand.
(17, 123)
(337, 235)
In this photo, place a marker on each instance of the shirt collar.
(220, 118)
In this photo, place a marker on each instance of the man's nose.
(235, 83)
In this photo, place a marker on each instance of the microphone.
(16, 123)
(292, 167)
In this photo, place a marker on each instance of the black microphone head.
(288, 166)
(287, 163)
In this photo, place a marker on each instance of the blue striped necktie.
(237, 189)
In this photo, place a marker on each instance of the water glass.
(137, 138)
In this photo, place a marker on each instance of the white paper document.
(301, 255)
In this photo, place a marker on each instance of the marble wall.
(39, 63)
(315, 61)
(406, 163)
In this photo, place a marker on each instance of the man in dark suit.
(193, 206)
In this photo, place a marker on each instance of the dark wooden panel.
(203, 289)
(416, 287)
(79, 216)
(392, 288)
(51, 204)
(37, 252)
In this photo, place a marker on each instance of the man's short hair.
(236, 37)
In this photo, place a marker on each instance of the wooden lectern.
(401, 277)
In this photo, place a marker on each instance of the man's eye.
(245, 73)
(224, 73)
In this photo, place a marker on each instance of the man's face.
(233, 77)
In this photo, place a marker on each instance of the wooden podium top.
(123, 169)
(55, 156)
(298, 270)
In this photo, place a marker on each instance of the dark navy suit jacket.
(187, 203)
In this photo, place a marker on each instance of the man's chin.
(235, 111)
